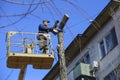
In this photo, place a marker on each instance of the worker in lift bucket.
(43, 35)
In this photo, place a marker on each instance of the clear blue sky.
(80, 12)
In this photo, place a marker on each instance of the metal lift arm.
(22, 72)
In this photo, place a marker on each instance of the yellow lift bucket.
(23, 49)
(39, 61)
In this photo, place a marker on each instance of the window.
(110, 76)
(102, 49)
(111, 40)
(114, 75)
(108, 43)
(117, 72)
(86, 58)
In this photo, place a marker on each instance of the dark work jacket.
(43, 28)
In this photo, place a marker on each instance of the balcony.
(82, 71)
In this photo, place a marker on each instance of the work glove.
(55, 31)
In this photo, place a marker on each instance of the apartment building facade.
(95, 55)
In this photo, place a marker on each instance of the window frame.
(110, 76)
(114, 43)
(105, 43)
(84, 58)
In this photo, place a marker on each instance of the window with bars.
(114, 75)
(110, 76)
